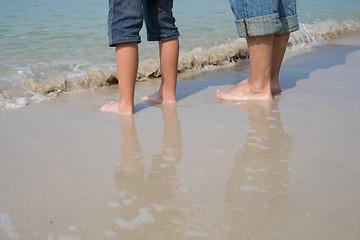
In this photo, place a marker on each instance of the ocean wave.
(315, 35)
(28, 90)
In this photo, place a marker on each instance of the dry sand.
(205, 169)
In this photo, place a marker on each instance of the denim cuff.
(289, 24)
(258, 26)
(164, 37)
(113, 42)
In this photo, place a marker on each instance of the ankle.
(259, 86)
(165, 93)
(126, 106)
(275, 78)
(169, 98)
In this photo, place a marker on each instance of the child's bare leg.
(279, 48)
(169, 55)
(257, 87)
(127, 64)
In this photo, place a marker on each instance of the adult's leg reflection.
(256, 197)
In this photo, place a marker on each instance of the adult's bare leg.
(257, 87)
(279, 48)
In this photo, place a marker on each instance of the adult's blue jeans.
(126, 17)
(263, 17)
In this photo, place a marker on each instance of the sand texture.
(203, 169)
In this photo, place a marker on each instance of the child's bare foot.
(115, 107)
(155, 97)
(243, 91)
(160, 98)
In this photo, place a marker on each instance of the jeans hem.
(113, 42)
(289, 24)
(163, 38)
(258, 26)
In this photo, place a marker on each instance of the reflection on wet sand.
(256, 194)
(146, 205)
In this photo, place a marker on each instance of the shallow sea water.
(54, 47)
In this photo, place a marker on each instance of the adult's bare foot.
(117, 108)
(220, 92)
(243, 91)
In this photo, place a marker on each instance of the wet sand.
(203, 169)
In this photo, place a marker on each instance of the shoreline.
(28, 89)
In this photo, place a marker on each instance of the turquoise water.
(335, 10)
(56, 42)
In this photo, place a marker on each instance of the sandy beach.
(203, 169)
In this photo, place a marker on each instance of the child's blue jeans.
(126, 18)
(263, 17)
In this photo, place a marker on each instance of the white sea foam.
(195, 233)
(201, 172)
(16, 103)
(218, 150)
(32, 87)
(182, 179)
(73, 227)
(315, 35)
(169, 158)
(159, 207)
(251, 170)
(109, 233)
(164, 165)
(254, 170)
(122, 194)
(67, 238)
(128, 202)
(115, 204)
(7, 227)
(143, 217)
(181, 166)
(177, 221)
(251, 188)
(184, 188)
(260, 139)
(258, 145)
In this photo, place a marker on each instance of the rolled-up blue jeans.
(263, 17)
(125, 20)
